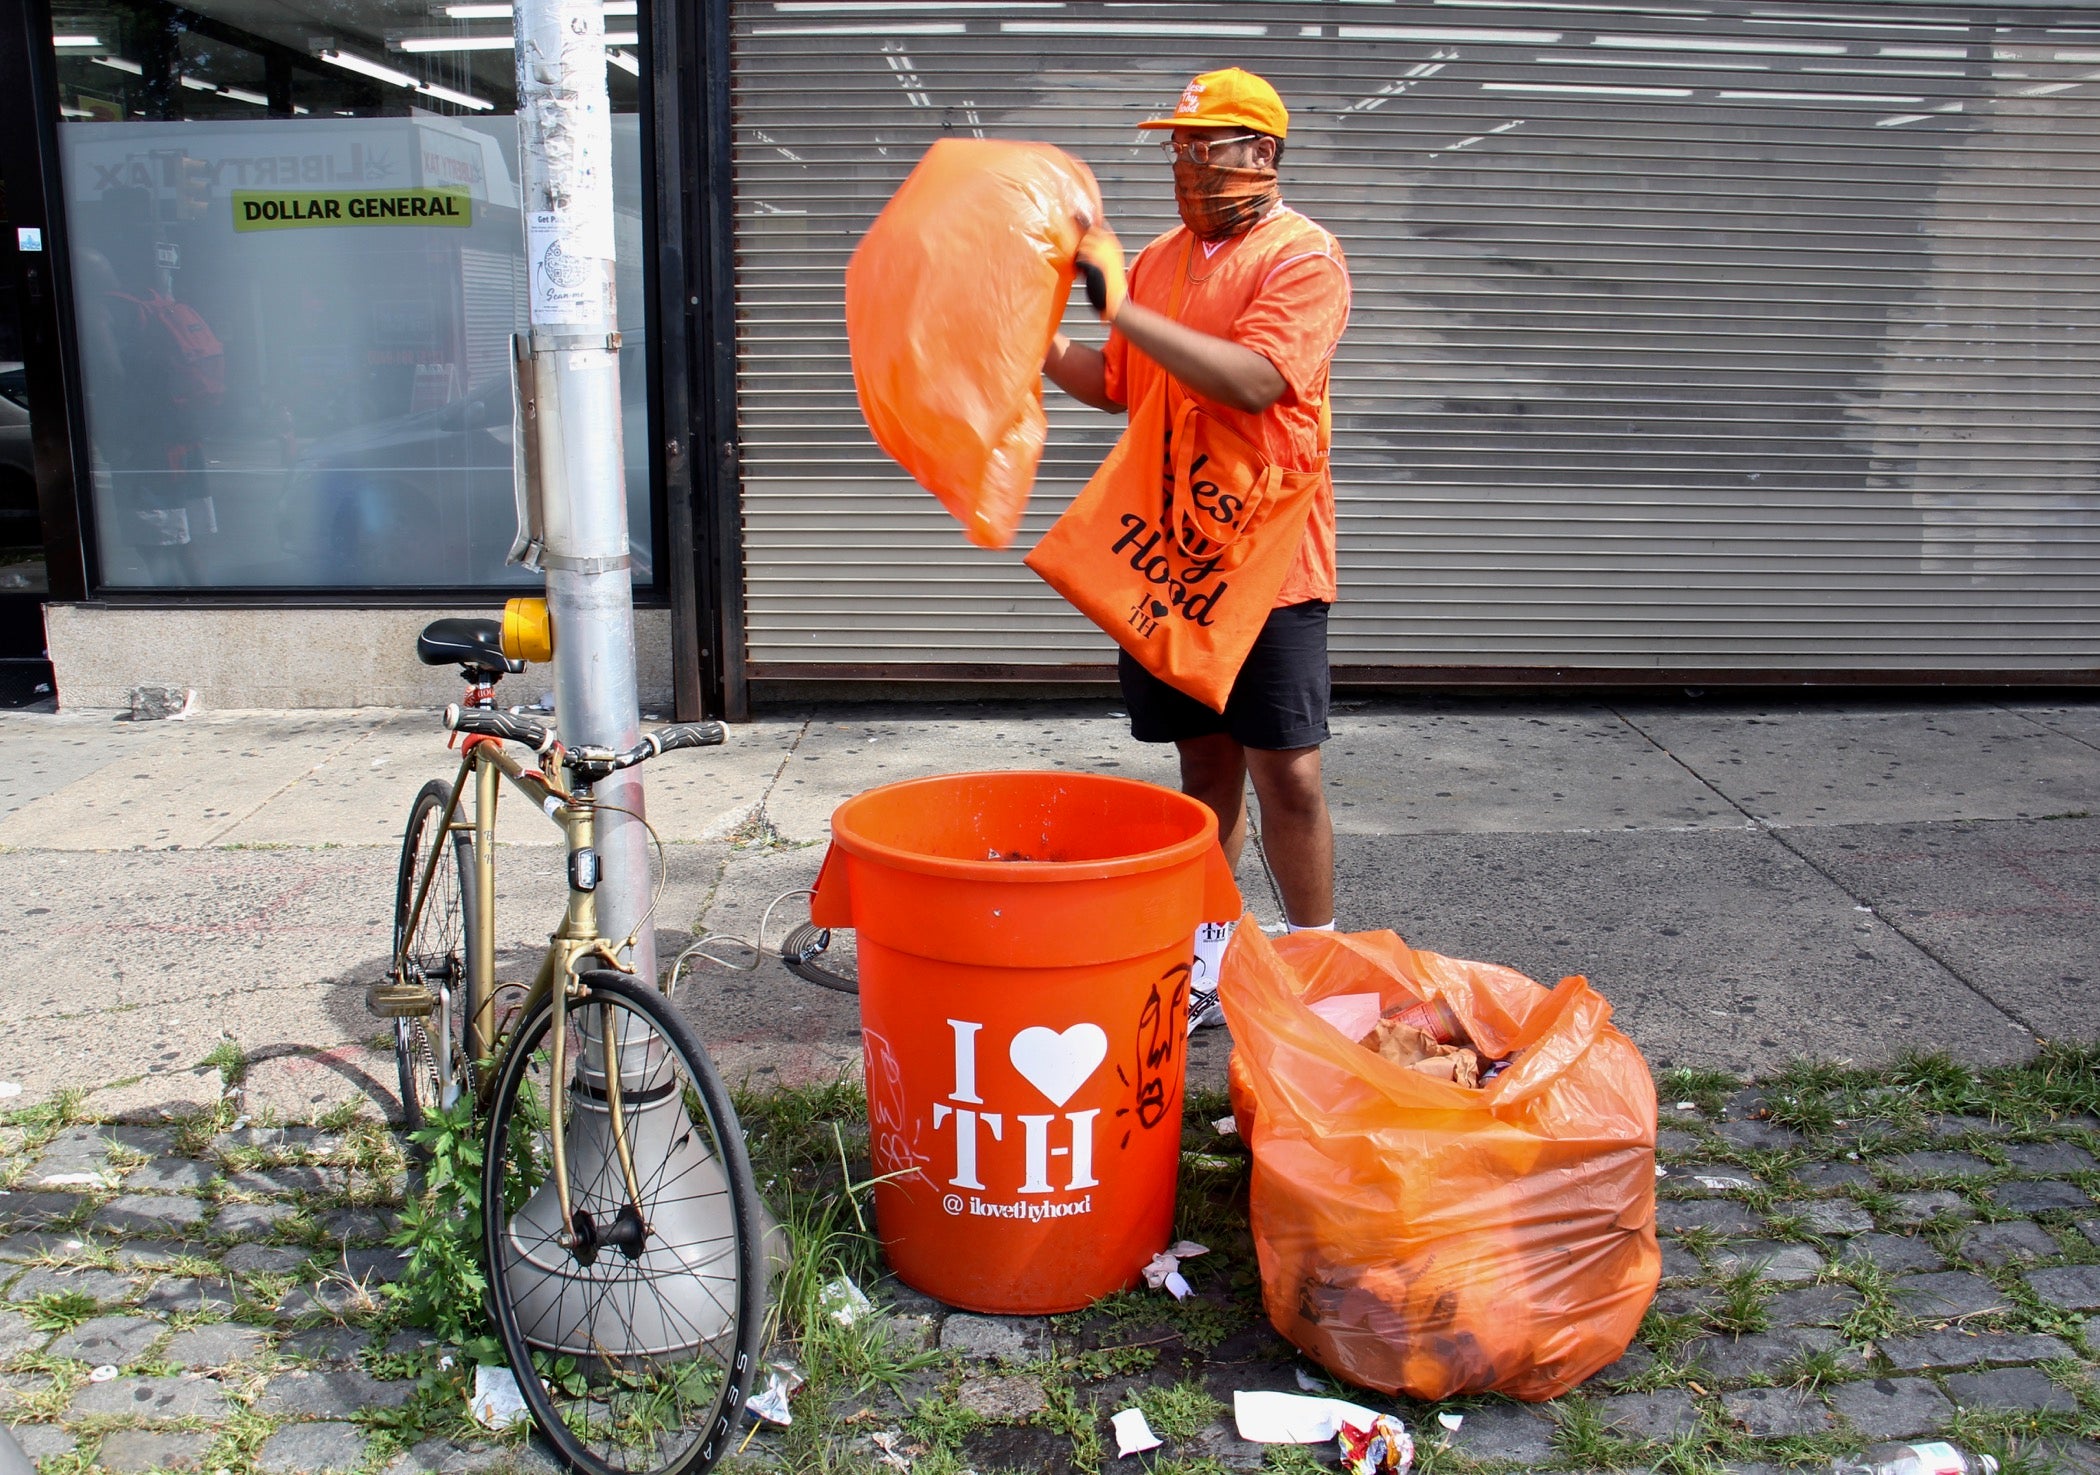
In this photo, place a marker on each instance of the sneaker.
(1205, 1012)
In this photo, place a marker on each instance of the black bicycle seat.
(460, 641)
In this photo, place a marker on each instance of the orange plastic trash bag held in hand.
(1427, 1238)
(952, 299)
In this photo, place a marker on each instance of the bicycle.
(621, 1228)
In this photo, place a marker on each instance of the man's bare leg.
(1297, 833)
(1214, 769)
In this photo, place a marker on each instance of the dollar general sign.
(292, 209)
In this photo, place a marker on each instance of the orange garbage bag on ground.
(952, 299)
(1419, 1236)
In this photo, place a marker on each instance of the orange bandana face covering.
(1218, 201)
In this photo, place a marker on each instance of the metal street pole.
(565, 149)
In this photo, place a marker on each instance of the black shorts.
(1279, 700)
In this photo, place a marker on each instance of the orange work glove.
(1100, 260)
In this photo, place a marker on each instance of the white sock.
(1211, 941)
(1326, 926)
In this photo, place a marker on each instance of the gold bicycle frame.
(574, 942)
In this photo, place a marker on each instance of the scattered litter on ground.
(1224, 1126)
(497, 1403)
(1293, 1418)
(844, 1302)
(1385, 1448)
(1307, 1381)
(1451, 1421)
(102, 1374)
(1133, 1434)
(887, 1454)
(14, 1088)
(1164, 1273)
(1722, 1182)
(771, 1402)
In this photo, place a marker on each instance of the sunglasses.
(1198, 150)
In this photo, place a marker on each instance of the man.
(1242, 306)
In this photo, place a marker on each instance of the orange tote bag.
(1178, 544)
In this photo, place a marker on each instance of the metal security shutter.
(1754, 338)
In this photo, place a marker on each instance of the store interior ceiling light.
(350, 61)
(420, 44)
(624, 62)
(241, 94)
(505, 12)
(119, 64)
(892, 7)
(461, 99)
(74, 41)
(504, 42)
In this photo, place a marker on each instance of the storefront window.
(297, 265)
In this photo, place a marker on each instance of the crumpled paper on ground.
(1164, 1273)
(771, 1401)
(497, 1403)
(1385, 1448)
(1294, 1418)
(1133, 1434)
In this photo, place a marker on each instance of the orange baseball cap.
(1228, 99)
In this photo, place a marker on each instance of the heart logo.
(1058, 1064)
(1159, 611)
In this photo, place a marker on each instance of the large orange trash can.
(1024, 942)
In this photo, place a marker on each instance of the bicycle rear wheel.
(430, 1050)
(634, 1335)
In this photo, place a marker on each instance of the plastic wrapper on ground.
(952, 299)
(1420, 1237)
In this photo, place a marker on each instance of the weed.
(1111, 1362)
(444, 1287)
(1699, 1240)
(230, 1060)
(1318, 1459)
(1810, 1114)
(1814, 1369)
(1709, 1090)
(1179, 1412)
(1690, 1453)
(60, 1311)
(1877, 1314)
(1585, 1441)
(941, 1423)
(1076, 1419)
(1739, 1305)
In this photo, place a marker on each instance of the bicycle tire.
(438, 954)
(620, 1384)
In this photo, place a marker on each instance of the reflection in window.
(298, 262)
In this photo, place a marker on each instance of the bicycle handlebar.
(484, 722)
(597, 761)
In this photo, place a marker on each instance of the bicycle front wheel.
(431, 948)
(632, 1321)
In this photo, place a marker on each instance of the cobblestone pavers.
(1824, 1284)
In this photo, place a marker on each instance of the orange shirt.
(1281, 289)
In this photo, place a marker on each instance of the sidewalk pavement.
(1748, 881)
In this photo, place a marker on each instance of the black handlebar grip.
(689, 735)
(481, 722)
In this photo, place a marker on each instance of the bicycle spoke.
(632, 1366)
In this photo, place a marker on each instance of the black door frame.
(694, 185)
(693, 351)
(35, 199)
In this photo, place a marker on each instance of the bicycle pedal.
(394, 999)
